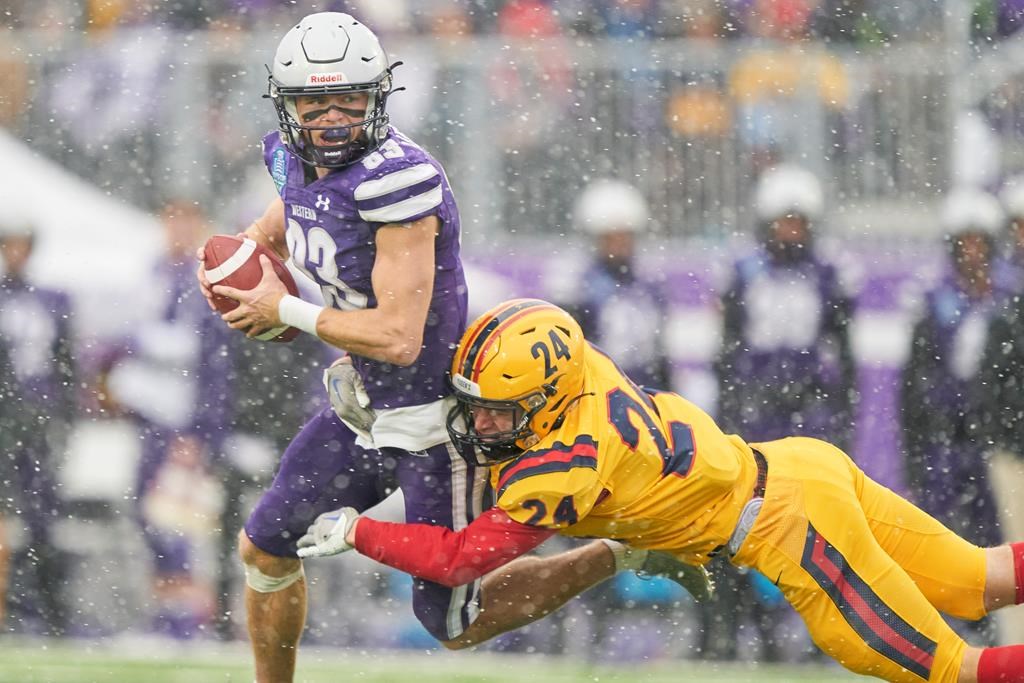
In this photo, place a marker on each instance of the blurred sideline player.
(946, 463)
(620, 309)
(785, 366)
(176, 381)
(370, 217)
(579, 449)
(35, 324)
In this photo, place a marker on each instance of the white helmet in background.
(608, 205)
(1012, 197)
(972, 210)
(788, 189)
(325, 54)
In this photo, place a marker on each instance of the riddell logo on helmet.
(325, 79)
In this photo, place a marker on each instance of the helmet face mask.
(497, 445)
(327, 55)
(298, 136)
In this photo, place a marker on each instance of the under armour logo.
(323, 203)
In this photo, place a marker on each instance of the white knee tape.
(261, 583)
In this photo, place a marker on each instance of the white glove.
(326, 535)
(348, 397)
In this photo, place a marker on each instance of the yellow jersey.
(647, 468)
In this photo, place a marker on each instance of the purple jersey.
(331, 231)
(35, 324)
(947, 469)
(786, 337)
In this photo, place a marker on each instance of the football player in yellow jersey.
(578, 449)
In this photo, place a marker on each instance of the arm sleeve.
(450, 558)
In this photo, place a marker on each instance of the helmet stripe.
(470, 334)
(487, 333)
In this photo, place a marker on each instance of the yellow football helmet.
(516, 371)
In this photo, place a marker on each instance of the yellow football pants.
(866, 570)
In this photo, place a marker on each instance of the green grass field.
(126, 661)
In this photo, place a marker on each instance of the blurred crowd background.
(804, 215)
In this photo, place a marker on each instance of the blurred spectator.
(947, 469)
(35, 327)
(786, 366)
(183, 422)
(621, 309)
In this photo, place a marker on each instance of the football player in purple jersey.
(622, 309)
(947, 461)
(370, 217)
(35, 325)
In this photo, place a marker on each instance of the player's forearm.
(372, 333)
(530, 588)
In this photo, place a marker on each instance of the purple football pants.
(323, 469)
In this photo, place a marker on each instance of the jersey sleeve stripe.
(574, 462)
(398, 195)
(404, 210)
(392, 182)
(559, 458)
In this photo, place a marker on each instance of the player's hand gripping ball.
(235, 262)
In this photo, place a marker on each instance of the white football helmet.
(324, 54)
(787, 189)
(610, 206)
(972, 210)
